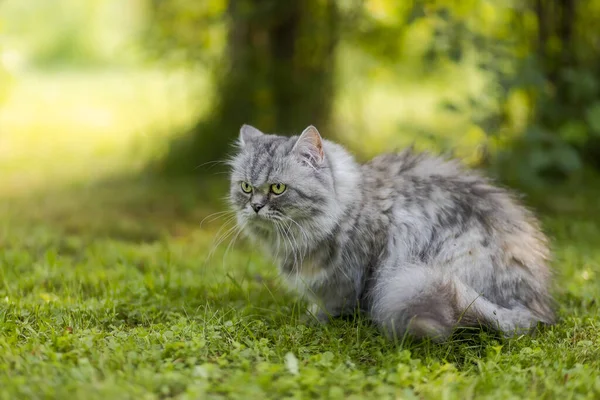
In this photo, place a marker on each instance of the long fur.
(419, 243)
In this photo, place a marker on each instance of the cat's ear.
(248, 133)
(310, 146)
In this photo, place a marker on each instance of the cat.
(417, 242)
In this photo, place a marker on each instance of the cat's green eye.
(278, 188)
(246, 188)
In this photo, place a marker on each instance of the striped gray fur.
(417, 242)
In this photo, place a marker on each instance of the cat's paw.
(315, 316)
(518, 321)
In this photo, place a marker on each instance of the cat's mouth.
(262, 226)
(262, 221)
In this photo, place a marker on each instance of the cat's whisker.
(216, 215)
(227, 221)
(302, 231)
(298, 248)
(284, 242)
(220, 237)
(278, 244)
(293, 248)
(280, 230)
(298, 251)
(227, 234)
(211, 164)
(233, 240)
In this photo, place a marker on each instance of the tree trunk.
(278, 76)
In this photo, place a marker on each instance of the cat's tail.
(422, 302)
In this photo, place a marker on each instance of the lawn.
(108, 289)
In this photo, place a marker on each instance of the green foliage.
(187, 32)
(73, 32)
(523, 51)
(539, 105)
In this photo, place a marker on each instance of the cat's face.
(280, 185)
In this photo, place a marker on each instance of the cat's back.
(443, 193)
(390, 169)
(443, 196)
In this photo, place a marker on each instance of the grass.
(106, 291)
(128, 306)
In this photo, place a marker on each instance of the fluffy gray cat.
(418, 243)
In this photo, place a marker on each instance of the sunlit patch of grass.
(81, 126)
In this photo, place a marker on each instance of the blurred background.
(120, 275)
(105, 103)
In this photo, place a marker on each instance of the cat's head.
(281, 185)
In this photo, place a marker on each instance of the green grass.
(107, 291)
(128, 306)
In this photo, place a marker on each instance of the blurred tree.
(274, 64)
(569, 53)
(276, 71)
(560, 73)
(539, 55)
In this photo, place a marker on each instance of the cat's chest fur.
(309, 276)
(307, 272)
(337, 264)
